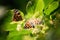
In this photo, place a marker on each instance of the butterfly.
(31, 23)
(17, 15)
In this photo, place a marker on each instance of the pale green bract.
(35, 8)
(51, 7)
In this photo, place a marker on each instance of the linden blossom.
(20, 22)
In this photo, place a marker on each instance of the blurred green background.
(50, 10)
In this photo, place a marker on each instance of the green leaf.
(39, 6)
(54, 5)
(47, 2)
(14, 36)
(18, 35)
(11, 27)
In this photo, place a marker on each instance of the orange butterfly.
(17, 16)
